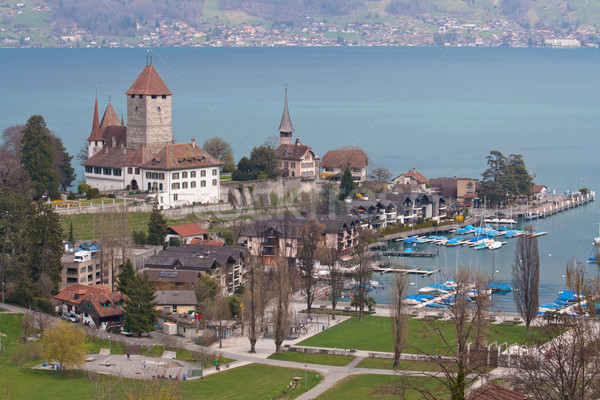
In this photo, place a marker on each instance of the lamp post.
(305, 366)
(109, 344)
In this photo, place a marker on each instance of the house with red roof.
(412, 180)
(141, 155)
(296, 160)
(95, 305)
(335, 163)
(187, 232)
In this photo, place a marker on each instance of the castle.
(142, 154)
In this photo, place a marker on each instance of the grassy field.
(359, 387)
(20, 381)
(374, 334)
(324, 359)
(379, 363)
(252, 381)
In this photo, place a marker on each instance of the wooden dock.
(397, 253)
(416, 271)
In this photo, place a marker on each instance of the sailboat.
(595, 247)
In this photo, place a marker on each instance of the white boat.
(496, 244)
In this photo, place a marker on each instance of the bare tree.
(309, 238)
(526, 277)
(330, 256)
(585, 286)
(399, 319)
(381, 174)
(363, 270)
(217, 310)
(562, 365)
(281, 279)
(252, 301)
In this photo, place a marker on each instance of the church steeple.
(95, 141)
(285, 127)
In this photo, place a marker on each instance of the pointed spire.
(110, 118)
(149, 83)
(95, 135)
(122, 120)
(286, 123)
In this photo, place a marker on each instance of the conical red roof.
(110, 118)
(95, 135)
(149, 83)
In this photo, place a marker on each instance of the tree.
(264, 161)
(329, 202)
(140, 309)
(217, 310)
(347, 184)
(561, 365)
(12, 173)
(219, 149)
(381, 174)
(330, 258)
(282, 296)
(62, 163)
(252, 304)
(71, 238)
(363, 270)
(157, 227)
(65, 343)
(526, 277)
(127, 279)
(399, 319)
(207, 287)
(38, 157)
(310, 236)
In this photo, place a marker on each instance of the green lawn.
(359, 387)
(374, 334)
(247, 382)
(379, 363)
(324, 359)
(254, 381)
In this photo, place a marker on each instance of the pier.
(416, 271)
(397, 253)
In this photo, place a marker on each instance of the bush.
(71, 195)
(44, 305)
(174, 241)
(112, 196)
(93, 193)
(139, 237)
(83, 188)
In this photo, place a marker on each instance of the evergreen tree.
(157, 227)
(127, 279)
(38, 157)
(140, 310)
(347, 184)
(71, 238)
(62, 163)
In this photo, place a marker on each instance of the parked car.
(68, 316)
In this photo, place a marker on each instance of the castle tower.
(149, 120)
(285, 127)
(95, 141)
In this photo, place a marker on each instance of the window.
(214, 182)
(202, 183)
(192, 174)
(87, 305)
(133, 96)
(293, 173)
(160, 186)
(184, 175)
(175, 197)
(155, 175)
(153, 96)
(86, 314)
(140, 96)
(149, 186)
(175, 175)
(157, 109)
(203, 173)
(164, 96)
(293, 165)
(214, 172)
(148, 175)
(88, 169)
(117, 171)
(129, 170)
(286, 164)
(184, 185)
(107, 171)
(161, 176)
(97, 170)
(193, 184)
(175, 186)
(136, 109)
(137, 171)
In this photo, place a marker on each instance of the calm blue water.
(438, 110)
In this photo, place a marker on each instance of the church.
(142, 155)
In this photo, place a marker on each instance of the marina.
(415, 271)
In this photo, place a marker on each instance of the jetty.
(398, 253)
(416, 271)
